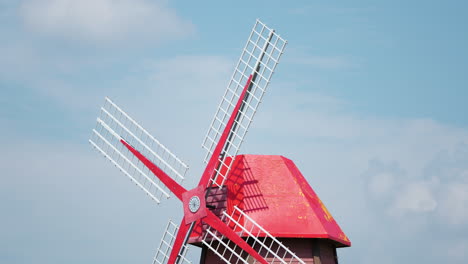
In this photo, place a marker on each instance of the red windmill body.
(246, 208)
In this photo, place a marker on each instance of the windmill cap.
(271, 190)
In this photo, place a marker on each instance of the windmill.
(214, 217)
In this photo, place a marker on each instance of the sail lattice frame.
(165, 246)
(260, 239)
(258, 61)
(114, 125)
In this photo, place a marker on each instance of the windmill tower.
(245, 208)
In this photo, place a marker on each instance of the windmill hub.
(194, 204)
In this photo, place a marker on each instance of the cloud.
(183, 91)
(454, 200)
(393, 184)
(458, 250)
(191, 80)
(67, 194)
(55, 192)
(184, 72)
(104, 20)
(381, 184)
(383, 179)
(415, 197)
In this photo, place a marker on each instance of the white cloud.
(104, 20)
(383, 179)
(458, 250)
(167, 83)
(58, 174)
(332, 147)
(454, 207)
(69, 194)
(176, 98)
(381, 184)
(415, 197)
(187, 72)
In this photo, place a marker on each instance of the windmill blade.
(114, 126)
(217, 224)
(166, 246)
(257, 63)
(271, 249)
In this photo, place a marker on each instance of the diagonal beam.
(175, 188)
(210, 167)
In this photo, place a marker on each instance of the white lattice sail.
(165, 246)
(114, 125)
(258, 60)
(260, 239)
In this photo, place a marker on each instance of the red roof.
(273, 192)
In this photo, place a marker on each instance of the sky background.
(369, 101)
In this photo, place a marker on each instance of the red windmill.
(234, 211)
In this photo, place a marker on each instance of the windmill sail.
(255, 67)
(165, 246)
(271, 249)
(114, 126)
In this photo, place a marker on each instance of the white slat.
(260, 239)
(114, 125)
(165, 246)
(259, 58)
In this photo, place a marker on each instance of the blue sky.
(369, 101)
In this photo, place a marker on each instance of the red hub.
(194, 204)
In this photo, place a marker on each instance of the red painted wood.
(179, 242)
(190, 217)
(272, 191)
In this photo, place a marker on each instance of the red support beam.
(213, 162)
(179, 242)
(173, 186)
